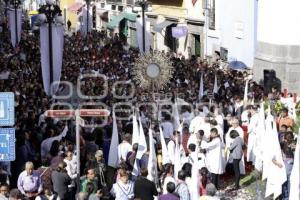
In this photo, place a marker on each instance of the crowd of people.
(214, 134)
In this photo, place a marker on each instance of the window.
(224, 53)
(120, 8)
(212, 15)
(114, 1)
(102, 5)
(130, 2)
(113, 7)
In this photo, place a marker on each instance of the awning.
(159, 27)
(103, 15)
(130, 16)
(75, 7)
(116, 20)
(112, 24)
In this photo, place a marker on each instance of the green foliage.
(297, 123)
(278, 107)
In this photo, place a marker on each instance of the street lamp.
(50, 13)
(206, 13)
(15, 4)
(87, 14)
(146, 6)
(5, 11)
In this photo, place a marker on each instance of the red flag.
(194, 2)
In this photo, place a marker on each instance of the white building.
(231, 29)
(278, 46)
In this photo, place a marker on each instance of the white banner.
(12, 26)
(139, 31)
(57, 55)
(83, 27)
(113, 158)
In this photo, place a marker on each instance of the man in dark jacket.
(144, 189)
(61, 180)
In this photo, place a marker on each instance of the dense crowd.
(45, 165)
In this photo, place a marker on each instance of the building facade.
(168, 14)
(231, 30)
(278, 48)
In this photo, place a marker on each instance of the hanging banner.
(84, 27)
(13, 28)
(139, 31)
(179, 31)
(57, 55)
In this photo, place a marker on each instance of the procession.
(98, 118)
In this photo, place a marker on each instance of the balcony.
(169, 11)
(175, 3)
(114, 1)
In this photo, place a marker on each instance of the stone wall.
(284, 59)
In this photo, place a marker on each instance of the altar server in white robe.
(123, 189)
(171, 149)
(124, 148)
(215, 160)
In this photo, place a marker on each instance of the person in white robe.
(124, 148)
(215, 160)
(171, 150)
(197, 121)
(252, 129)
(186, 115)
(219, 118)
(167, 128)
(245, 118)
(214, 124)
(123, 189)
(199, 141)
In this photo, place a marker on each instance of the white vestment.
(252, 128)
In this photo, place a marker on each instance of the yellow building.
(167, 14)
(70, 10)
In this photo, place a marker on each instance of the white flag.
(12, 25)
(294, 112)
(142, 148)
(295, 174)
(246, 93)
(194, 187)
(113, 158)
(135, 129)
(57, 56)
(259, 143)
(266, 148)
(176, 115)
(139, 31)
(136, 168)
(276, 175)
(164, 149)
(216, 88)
(201, 87)
(177, 158)
(152, 161)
